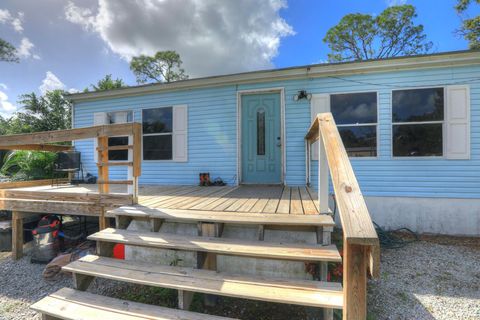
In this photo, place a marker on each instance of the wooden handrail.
(361, 248)
(356, 222)
(69, 134)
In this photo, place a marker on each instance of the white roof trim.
(447, 59)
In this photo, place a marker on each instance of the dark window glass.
(417, 140)
(417, 105)
(261, 132)
(157, 120)
(359, 141)
(118, 155)
(352, 108)
(157, 147)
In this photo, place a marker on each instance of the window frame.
(443, 122)
(133, 120)
(376, 124)
(158, 134)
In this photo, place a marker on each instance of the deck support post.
(122, 222)
(105, 249)
(17, 235)
(207, 260)
(322, 176)
(156, 224)
(324, 238)
(185, 299)
(354, 281)
(81, 282)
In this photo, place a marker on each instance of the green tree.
(362, 36)
(470, 29)
(106, 83)
(43, 113)
(8, 52)
(164, 66)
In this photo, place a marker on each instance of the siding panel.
(212, 135)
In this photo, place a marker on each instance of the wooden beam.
(56, 207)
(112, 148)
(38, 147)
(25, 184)
(108, 200)
(69, 135)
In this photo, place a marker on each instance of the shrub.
(28, 165)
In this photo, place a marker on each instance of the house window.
(118, 117)
(157, 127)
(356, 117)
(417, 117)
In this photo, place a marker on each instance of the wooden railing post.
(322, 176)
(131, 188)
(361, 245)
(354, 281)
(137, 159)
(103, 187)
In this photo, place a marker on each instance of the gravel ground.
(438, 278)
(434, 279)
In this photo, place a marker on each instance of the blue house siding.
(212, 134)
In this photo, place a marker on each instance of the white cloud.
(16, 22)
(25, 49)
(212, 36)
(3, 86)
(6, 107)
(51, 82)
(392, 3)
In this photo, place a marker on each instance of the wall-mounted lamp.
(302, 94)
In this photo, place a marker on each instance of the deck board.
(296, 202)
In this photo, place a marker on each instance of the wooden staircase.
(360, 252)
(319, 294)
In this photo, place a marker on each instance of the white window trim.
(162, 134)
(376, 124)
(443, 122)
(133, 120)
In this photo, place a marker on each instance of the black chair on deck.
(68, 162)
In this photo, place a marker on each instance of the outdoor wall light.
(302, 94)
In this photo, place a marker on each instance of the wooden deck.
(257, 199)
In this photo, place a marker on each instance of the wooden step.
(77, 305)
(299, 292)
(139, 211)
(236, 247)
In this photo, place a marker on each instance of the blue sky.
(71, 44)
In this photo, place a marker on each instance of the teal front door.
(261, 139)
